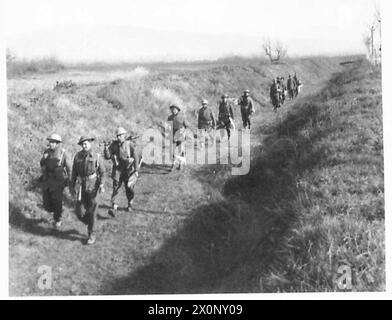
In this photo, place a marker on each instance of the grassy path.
(164, 202)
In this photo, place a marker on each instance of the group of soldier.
(85, 177)
(207, 123)
(279, 90)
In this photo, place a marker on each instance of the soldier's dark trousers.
(227, 126)
(130, 193)
(53, 202)
(90, 204)
(245, 118)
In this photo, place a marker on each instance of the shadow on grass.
(34, 226)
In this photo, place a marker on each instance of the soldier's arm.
(67, 164)
(135, 156)
(73, 176)
(213, 118)
(101, 171)
(42, 161)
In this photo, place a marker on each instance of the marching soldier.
(298, 85)
(247, 108)
(290, 87)
(178, 125)
(275, 94)
(56, 170)
(226, 115)
(283, 90)
(206, 121)
(125, 167)
(89, 169)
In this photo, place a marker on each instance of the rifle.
(108, 142)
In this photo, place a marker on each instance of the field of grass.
(19, 68)
(313, 200)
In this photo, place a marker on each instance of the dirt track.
(164, 201)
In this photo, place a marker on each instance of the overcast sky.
(306, 26)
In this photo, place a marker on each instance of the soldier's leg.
(47, 200)
(116, 189)
(91, 211)
(130, 192)
(82, 206)
(228, 125)
(57, 197)
(243, 116)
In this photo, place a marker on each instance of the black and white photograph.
(194, 147)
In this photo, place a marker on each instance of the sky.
(304, 26)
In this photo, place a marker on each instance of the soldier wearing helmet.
(247, 108)
(125, 167)
(206, 122)
(275, 94)
(206, 119)
(179, 124)
(88, 171)
(56, 170)
(226, 115)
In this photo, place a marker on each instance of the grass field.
(312, 201)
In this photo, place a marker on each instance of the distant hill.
(88, 43)
(117, 43)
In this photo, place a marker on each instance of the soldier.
(247, 108)
(275, 94)
(298, 85)
(206, 120)
(290, 87)
(179, 124)
(125, 167)
(56, 170)
(226, 115)
(89, 169)
(283, 90)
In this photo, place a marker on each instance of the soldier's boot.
(57, 224)
(113, 211)
(91, 238)
(130, 206)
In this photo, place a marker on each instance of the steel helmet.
(120, 131)
(55, 137)
(225, 95)
(175, 107)
(85, 138)
(204, 101)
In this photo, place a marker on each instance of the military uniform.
(56, 170)
(125, 164)
(298, 85)
(290, 87)
(206, 119)
(89, 171)
(178, 124)
(247, 108)
(225, 114)
(275, 95)
(283, 89)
